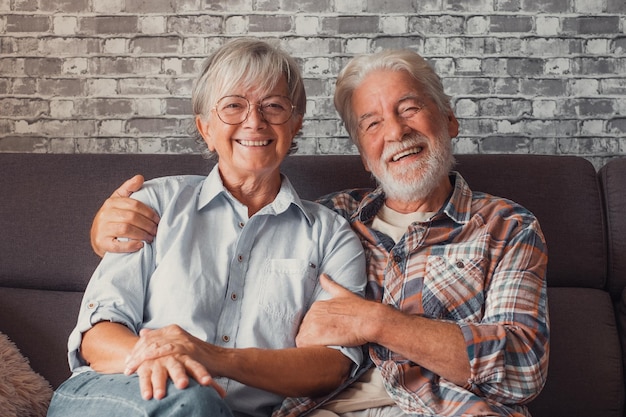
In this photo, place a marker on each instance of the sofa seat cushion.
(39, 322)
(585, 356)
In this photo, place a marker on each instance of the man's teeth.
(254, 142)
(406, 153)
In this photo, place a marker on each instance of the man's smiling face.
(404, 138)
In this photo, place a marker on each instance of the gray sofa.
(48, 202)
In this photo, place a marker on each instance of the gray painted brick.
(505, 144)
(617, 125)
(25, 5)
(543, 87)
(591, 25)
(473, 6)
(264, 23)
(391, 6)
(153, 6)
(200, 24)
(541, 76)
(517, 67)
(42, 66)
(409, 42)
(20, 23)
(109, 24)
(142, 126)
(24, 86)
(546, 6)
(106, 107)
(27, 144)
(521, 24)
(350, 25)
(616, 6)
(445, 24)
(64, 6)
(156, 45)
(178, 106)
(60, 87)
(508, 5)
(16, 107)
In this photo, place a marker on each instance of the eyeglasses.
(233, 110)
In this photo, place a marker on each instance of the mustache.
(408, 141)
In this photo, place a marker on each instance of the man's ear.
(453, 125)
(203, 129)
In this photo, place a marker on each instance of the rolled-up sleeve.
(115, 293)
(509, 348)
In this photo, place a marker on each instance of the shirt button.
(241, 225)
(91, 305)
(233, 296)
(460, 264)
(225, 338)
(397, 259)
(240, 258)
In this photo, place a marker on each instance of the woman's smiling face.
(253, 147)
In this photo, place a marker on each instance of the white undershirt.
(395, 224)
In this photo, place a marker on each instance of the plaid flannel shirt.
(479, 262)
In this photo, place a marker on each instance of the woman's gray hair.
(359, 67)
(251, 64)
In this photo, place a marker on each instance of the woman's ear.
(298, 124)
(203, 128)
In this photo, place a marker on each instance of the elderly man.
(455, 317)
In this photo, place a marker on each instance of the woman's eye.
(273, 106)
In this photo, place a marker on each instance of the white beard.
(417, 181)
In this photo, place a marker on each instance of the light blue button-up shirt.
(228, 279)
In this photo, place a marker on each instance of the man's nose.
(396, 128)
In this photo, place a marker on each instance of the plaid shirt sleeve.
(508, 348)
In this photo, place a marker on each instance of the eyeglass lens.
(235, 109)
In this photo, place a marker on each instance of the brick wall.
(527, 76)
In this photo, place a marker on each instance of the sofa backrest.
(613, 179)
(562, 192)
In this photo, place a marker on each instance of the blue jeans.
(91, 394)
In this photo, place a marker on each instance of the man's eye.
(372, 125)
(410, 111)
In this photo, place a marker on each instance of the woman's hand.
(170, 352)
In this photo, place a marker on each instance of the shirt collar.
(213, 187)
(457, 207)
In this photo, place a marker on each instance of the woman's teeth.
(254, 142)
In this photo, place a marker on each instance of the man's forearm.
(435, 345)
(293, 372)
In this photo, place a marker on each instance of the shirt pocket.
(287, 288)
(454, 288)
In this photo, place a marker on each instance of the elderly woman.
(202, 320)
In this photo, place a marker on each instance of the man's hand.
(123, 217)
(335, 322)
(166, 353)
